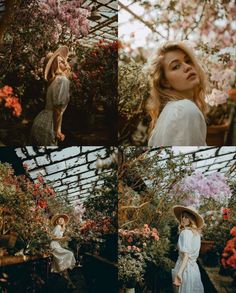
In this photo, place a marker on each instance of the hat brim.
(178, 210)
(62, 51)
(56, 217)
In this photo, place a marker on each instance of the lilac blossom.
(69, 15)
(213, 186)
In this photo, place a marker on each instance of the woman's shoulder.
(182, 109)
(190, 232)
(186, 232)
(184, 105)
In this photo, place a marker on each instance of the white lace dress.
(42, 132)
(180, 123)
(191, 279)
(62, 258)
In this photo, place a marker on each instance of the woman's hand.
(178, 280)
(66, 238)
(60, 136)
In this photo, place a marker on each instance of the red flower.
(226, 213)
(42, 204)
(233, 231)
(40, 179)
(7, 90)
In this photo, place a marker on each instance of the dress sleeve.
(182, 124)
(57, 231)
(61, 91)
(187, 126)
(185, 241)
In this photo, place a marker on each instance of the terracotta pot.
(206, 245)
(216, 134)
(232, 94)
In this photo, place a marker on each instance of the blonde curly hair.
(160, 95)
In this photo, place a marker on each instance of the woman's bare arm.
(57, 118)
(184, 263)
(53, 237)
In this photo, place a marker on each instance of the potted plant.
(131, 270)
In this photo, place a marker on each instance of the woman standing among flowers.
(63, 259)
(46, 130)
(176, 104)
(186, 275)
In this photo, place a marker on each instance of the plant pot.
(232, 94)
(216, 134)
(206, 245)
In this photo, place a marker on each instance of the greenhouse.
(117, 146)
(153, 181)
(88, 30)
(37, 187)
(207, 28)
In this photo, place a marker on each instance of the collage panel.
(58, 73)
(176, 216)
(177, 73)
(117, 146)
(58, 219)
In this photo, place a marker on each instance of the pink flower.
(130, 239)
(40, 179)
(216, 98)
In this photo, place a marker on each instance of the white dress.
(191, 279)
(62, 258)
(181, 123)
(42, 132)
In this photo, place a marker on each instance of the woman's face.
(185, 220)
(61, 221)
(63, 64)
(180, 72)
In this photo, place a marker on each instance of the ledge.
(13, 260)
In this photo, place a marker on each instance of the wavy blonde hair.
(192, 226)
(160, 95)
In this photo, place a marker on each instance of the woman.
(63, 259)
(176, 104)
(186, 274)
(46, 130)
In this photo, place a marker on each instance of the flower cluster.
(217, 97)
(8, 100)
(199, 186)
(95, 74)
(131, 270)
(137, 240)
(70, 13)
(135, 246)
(226, 214)
(94, 229)
(23, 217)
(228, 259)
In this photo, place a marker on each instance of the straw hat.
(63, 51)
(178, 210)
(56, 217)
